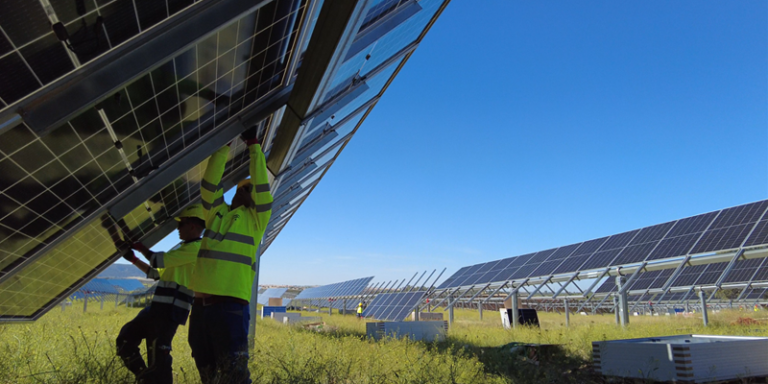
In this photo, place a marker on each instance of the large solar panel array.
(96, 287)
(126, 285)
(349, 288)
(110, 127)
(730, 228)
(393, 306)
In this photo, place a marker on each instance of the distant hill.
(121, 271)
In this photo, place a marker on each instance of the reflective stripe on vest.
(263, 207)
(261, 188)
(156, 260)
(171, 300)
(210, 187)
(225, 256)
(236, 237)
(215, 203)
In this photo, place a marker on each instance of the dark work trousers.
(158, 331)
(218, 336)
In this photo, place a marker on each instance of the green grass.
(76, 347)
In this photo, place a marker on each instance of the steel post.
(616, 309)
(703, 298)
(450, 310)
(567, 313)
(480, 310)
(85, 302)
(515, 311)
(623, 307)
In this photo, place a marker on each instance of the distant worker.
(360, 310)
(756, 308)
(170, 305)
(226, 267)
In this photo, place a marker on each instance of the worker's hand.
(250, 136)
(140, 247)
(130, 256)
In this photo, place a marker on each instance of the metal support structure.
(85, 302)
(623, 307)
(480, 310)
(456, 299)
(739, 254)
(515, 305)
(102, 303)
(539, 287)
(632, 278)
(117, 300)
(594, 283)
(567, 313)
(495, 292)
(336, 27)
(703, 298)
(616, 309)
(668, 284)
(559, 291)
(450, 310)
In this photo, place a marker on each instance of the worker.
(360, 310)
(170, 305)
(226, 265)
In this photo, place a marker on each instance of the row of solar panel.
(348, 288)
(744, 225)
(393, 306)
(744, 271)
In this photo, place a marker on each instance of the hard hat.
(244, 183)
(194, 210)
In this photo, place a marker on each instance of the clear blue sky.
(519, 126)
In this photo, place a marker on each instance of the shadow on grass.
(514, 363)
(520, 363)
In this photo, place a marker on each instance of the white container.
(414, 330)
(684, 358)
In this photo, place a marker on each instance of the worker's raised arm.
(211, 192)
(260, 193)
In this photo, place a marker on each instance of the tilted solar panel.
(393, 306)
(149, 90)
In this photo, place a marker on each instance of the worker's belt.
(215, 299)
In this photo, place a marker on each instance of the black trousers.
(158, 330)
(218, 336)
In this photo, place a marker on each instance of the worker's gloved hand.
(250, 136)
(130, 256)
(140, 247)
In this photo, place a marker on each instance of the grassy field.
(76, 347)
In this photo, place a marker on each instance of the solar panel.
(126, 285)
(350, 288)
(709, 232)
(271, 293)
(393, 306)
(119, 119)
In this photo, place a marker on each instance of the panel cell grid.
(79, 165)
(743, 270)
(31, 56)
(393, 306)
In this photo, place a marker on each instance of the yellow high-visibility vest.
(226, 264)
(174, 269)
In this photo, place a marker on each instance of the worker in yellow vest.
(226, 267)
(360, 310)
(170, 305)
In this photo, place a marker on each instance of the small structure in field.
(684, 358)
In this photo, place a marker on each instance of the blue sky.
(521, 126)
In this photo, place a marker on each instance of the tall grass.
(75, 347)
